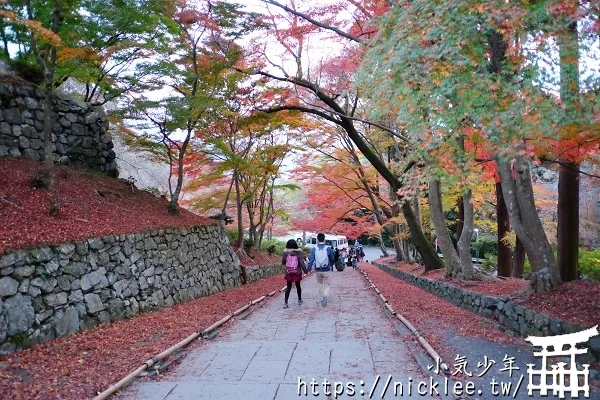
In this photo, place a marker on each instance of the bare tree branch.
(315, 22)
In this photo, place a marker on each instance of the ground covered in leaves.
(431, 315)
(255, 257)
(577, 302)
(91, 204)
(81, 365)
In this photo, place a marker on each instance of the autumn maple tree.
(326, 90)
(88, 41)
(446, 74)
(195, 76)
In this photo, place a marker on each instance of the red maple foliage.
(91, 205)
(81, 365)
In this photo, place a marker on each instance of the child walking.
(293, 259)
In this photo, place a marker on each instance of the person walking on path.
(293, 259)
(321, 257)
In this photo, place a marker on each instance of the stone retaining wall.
(79, 131)
(54, 291)
(257, 272)
(515, 317)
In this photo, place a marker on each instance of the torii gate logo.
(578, 380)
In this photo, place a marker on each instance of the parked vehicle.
(335, 241)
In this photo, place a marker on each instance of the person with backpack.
(293, 259)
(321, 257)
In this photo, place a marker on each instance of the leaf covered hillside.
(91, 205)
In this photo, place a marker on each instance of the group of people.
(322, 258)
(350, 256)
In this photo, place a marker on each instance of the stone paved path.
(265, 355)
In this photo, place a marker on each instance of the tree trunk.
(240, 224)
(504, 249)
(54, 207)
(403, 243)
(396, 241)
(417, 209)
(424, 247)
(400, 243)
(518, 260)
(451, 260)
(460, 217)
(464, 243)
(568, 178)
(174, 203)
(518, 195)
(382, 246)
(568, 222)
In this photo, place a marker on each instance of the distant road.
(373, 253)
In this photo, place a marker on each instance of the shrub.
(273, 246)
(490, 263)
(589, 264)
(486, 246)
(232, 234)
(526, 269)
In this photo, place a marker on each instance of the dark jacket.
(311, 258)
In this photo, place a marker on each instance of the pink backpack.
(291, 264)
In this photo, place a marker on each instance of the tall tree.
(45, 42)
(195, 73)
(433, 58)
(325, 93)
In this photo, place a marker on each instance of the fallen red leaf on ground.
(91, 205)
(577, 302)
(432, 315)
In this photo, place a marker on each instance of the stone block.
(88, 322)
(13, 116)
(19, 314)
(92, 279)
(14, 152)
(55, 299)
(77, 129)
(64, 282)
(81, 248)
(66, 249)
(75, 269)
(51, 267)
(104, 317)
(8, 286)
(37, 144)
(24, 142)
(42, 254)
(46, 284)
(13, 258)
(116, 309)
(31, 154)
(93, 303)
(96, 243)
(76, 296)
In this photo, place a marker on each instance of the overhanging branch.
(315, 22)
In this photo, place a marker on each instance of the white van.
(339, 241)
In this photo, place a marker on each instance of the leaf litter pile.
(91, 204)
(78, 366)
(577, 302)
